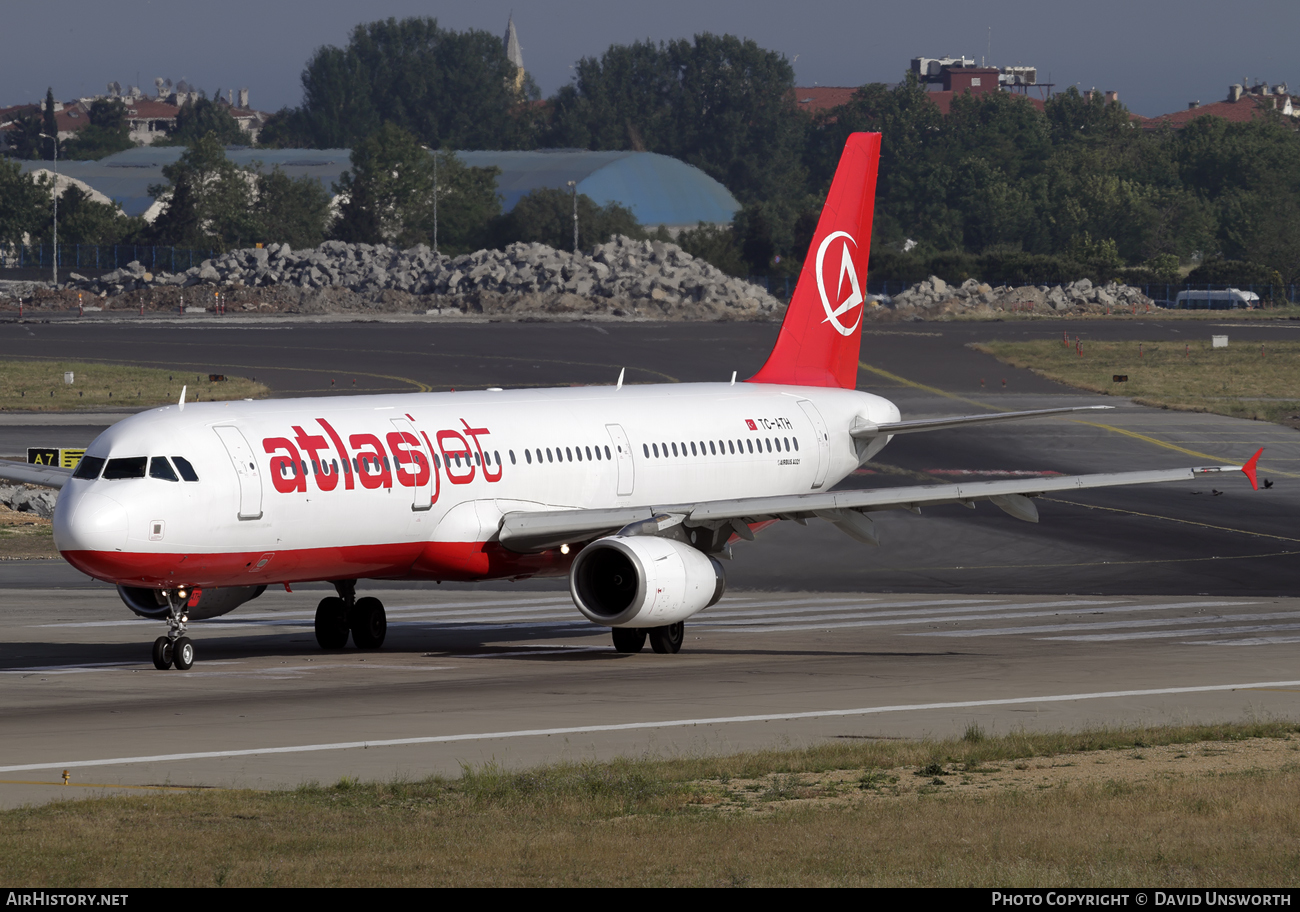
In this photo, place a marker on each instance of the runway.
(520, 678)
(1119, 606)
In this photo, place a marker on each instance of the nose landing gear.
(175, 648)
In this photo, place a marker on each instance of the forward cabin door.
(422, 494)
(250, 482)
(823, 441)
(623, 458)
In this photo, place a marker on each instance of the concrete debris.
(934, 298)
(621, 278)
(28, 499)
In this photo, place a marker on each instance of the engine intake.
(643, 581)
(212, 603)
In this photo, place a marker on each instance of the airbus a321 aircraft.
(634, 492)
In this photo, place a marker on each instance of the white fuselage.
(415, 485)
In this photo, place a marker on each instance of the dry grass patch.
(1067, 809)
(1237, 381)
(39, 386)
(24, 536)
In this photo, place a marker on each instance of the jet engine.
(150, 603)
(643, 581)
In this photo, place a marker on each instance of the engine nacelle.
(150, 603)
(643, 581)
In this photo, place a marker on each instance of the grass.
(833, 814)
(25, 536)
(1238, 381)
(40, 386)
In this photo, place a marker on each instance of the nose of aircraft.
(89, 521)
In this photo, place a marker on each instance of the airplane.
(634, 492)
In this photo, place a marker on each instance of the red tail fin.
(819, 340)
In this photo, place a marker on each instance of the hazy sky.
(1157, 55)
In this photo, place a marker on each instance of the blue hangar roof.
(659, 190)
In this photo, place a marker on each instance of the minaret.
(514, 53)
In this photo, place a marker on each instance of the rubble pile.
(934, 297)
(623, 277)
(28, 499)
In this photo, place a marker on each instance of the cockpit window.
(160, 468)
(89, 467)
(183, 466)
(129, 467)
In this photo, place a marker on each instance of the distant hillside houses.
(659, 190)
(148, 117)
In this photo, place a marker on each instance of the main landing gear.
(337, 616)
(665, 640)
(174, 649)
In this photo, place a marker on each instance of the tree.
(22, 203)
(84, 221)
(209, 200)
(389, 193)
(25, 137)
(49, 126)
(720, 103)
(545, 216)
(716, 245)
(200, 117)
(446, 88)
(109, 132)
(292, 211)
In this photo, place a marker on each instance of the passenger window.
(579, 449)
(656, 446)
(787, 444)
(129, 467)
(88, 468)
(160, 468)
(693, 453)
(589, 453)
(750, 444)
(769, 444)
(548, 454)
(796, 444)
(645, 449)
(496, 454)
(732, 447)
(712, 449)
(528, 455)
(674, 448)
(607, 453)
(598, 452)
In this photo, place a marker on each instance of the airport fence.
(100, 258)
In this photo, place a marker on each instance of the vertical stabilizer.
(819, 340)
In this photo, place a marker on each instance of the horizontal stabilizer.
(939, 424)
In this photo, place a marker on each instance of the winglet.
(1249, 469)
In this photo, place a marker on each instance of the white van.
(1224, 299)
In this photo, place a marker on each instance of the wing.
(938, 424)
(24, 473)
(540, 531)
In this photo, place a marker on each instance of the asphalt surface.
(1174, 590)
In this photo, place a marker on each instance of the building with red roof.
(1241, 106)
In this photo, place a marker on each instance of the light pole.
(573, 185)
(435, 202)
(55, 139)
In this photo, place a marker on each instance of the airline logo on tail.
(855, 298)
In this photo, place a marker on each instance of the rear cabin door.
(250, 481)
(623, 458)
(823, 441)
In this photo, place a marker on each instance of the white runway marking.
(1167, 634)
(1110, 625)
(639, 726)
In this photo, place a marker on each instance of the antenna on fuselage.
(182, 402)
(733, 378)
(621, 372)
